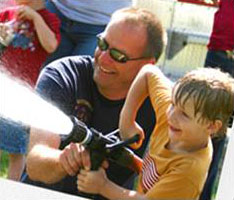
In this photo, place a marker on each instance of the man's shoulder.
(72, 62)
(71, 68)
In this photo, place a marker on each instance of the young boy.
(175, 167)
(28, 34)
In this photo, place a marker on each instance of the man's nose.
(105, 57)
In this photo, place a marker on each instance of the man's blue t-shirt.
(68, 83)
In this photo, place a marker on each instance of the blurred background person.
(220, 55)
(81, 21)
(28, 34)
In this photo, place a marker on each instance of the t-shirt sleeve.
(2, 16)
(7, 15)
(60, 81)
(159, 93)
(173, 186)
(51, 88)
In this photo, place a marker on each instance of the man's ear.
(215, 126)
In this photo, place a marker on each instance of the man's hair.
(212, 92)
(154, 30)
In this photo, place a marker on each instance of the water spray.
(102, 147)
(19, 103)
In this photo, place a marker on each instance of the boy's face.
(184, 127)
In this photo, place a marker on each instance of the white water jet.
(19, 103)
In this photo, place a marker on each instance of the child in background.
(176, 165)
(28, 34)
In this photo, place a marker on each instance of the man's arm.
(43, 157)
(48, 164)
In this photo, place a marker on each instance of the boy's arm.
(45, 35)
(137, 93)
(104, 186)
(151, 82)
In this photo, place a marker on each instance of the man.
(94, 91)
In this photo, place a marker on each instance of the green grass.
(3, 164)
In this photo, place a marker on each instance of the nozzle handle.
(124, 143)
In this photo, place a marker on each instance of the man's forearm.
(43, 165)
(43, 157)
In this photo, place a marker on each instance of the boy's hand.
(128, 131)
(6, 33)
(25, 12)
(3, 31)
(92, 181)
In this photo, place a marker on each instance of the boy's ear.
(215, 126)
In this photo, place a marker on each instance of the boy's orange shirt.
(167, 174)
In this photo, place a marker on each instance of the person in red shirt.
(221, 45)
(220, 55)
(28, 34)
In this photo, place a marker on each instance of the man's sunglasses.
(115, 54)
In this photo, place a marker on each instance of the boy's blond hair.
(212, 91)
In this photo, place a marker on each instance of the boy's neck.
(181, 147)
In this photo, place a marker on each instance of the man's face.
(113, 78)
(184, 127)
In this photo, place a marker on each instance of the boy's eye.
(172, 104)
(185, 114)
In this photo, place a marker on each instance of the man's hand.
(92, 181)
(73, 158)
